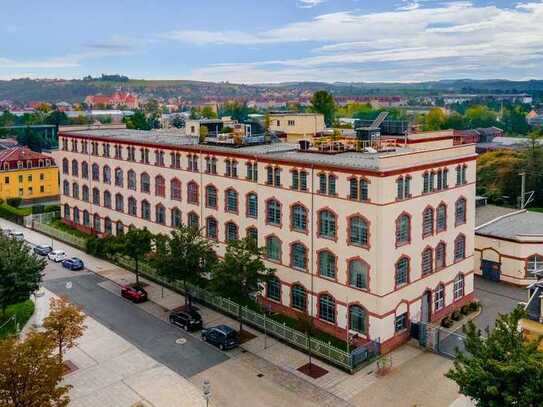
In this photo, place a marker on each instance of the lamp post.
(206, 391)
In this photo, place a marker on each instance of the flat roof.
(487, 213)
(513, 225)
(276, 151)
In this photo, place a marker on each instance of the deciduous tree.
(323, 102)
(64, 324)
(135, 244)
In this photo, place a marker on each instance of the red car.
(134, 293)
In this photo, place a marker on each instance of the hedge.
(14, 214)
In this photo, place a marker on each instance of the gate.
(448, 343)
(491, 270)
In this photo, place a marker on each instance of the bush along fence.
(35, 222)
(349, 362)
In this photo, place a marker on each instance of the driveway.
(496, 299)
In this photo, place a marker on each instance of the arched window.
(85, 193)
(428, 222)
(66, 188)
(119, 202)
(75, 190)
(231, 231)
(458, 288)
(273, 248)
(75, 168)
(212, 228)
(327, 224)
(273, 212)
(298, 256)
(441, 256)
(106, 174)
(231, 201)
(534, 264)
(160, 214)
(96, 196)
(76, 216)
(327, 264)
(327, 308)
(107, 199)
(358, 231)
(439, 297)
(176, 218)
(119, 228)
(96, 223)
(85, 170)
(252, 233)
(427, 261)
(192, 193)
(95, 172)
(441, 222)
(67, 212)
(65, 166)
(132, 206)
(273, 289)
(402, 272)
(145, 210)
(193, 220)
(108, 227)
(86, 218)
(252, 205)
(132, 180)
(299, 218)
(403, 229)
(460, 248)
(175, 189)
(299, 299)
(145, 182)
(357, 319)
(460, 211)
(211, 197)
(119, 177)
(160, 186)
(358, 274)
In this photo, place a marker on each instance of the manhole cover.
(181, 341)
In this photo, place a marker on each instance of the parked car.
(134, 293)
(189, 320)
(17, 235)
(222, 336)
(73, 263)
(57, 255)
(42, 249)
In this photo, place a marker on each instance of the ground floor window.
(357, 319)
(327, 308)
(400, 322)
(298, 297)
(458, 287)
(439, 297)
(274, 289)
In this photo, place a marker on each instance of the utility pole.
(522, 189)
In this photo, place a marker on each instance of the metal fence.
(66, 237)
(439, 339)
(323, 350)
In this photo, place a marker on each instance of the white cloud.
(309, 3)
(485, 41)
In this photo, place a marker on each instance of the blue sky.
(254, 41)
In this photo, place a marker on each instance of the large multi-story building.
(28, 175)
(364, 241)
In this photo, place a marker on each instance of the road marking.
(181, 341)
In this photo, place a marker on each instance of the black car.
(222, 336)
(73, 263)
(189, 320)
(43, 250)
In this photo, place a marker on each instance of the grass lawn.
(23, 311)
(536, 209)
(58, 224)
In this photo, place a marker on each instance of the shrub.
(473, 306)
(51, 208)
(37, 209)
(15, 202)
(446, 322)
(456, 315)
(465, 309)
(14, 214)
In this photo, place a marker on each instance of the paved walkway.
(112, 372)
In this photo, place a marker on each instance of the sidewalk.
(112, 372)
(348, 388)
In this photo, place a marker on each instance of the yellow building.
(297, 126)
(28, 175)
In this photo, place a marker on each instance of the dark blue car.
(222, 336)
(43, 250)
(73, 264)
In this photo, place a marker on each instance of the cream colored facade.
(297, 125)
(384, 303)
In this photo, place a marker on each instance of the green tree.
(30, 375)
(501, 370)
(208, 113)
(57, 118)
(241, 272)
(184, 255)
(497, 174)
(481, 116)
(323, 102)
(455, 121)
(434, 120)
(136, 244)
(137, 121)
(64, 324)
(177, 121)
(151, 107)
(20, 272)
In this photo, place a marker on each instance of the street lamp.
(206, 391)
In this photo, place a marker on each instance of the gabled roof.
(20, 154)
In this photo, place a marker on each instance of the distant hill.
(27, 90)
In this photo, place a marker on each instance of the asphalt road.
(150, 334)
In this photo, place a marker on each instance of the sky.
(269, 41)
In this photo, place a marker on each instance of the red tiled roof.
(20, 154)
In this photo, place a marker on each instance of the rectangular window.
(303, 181)
(322, 184)
(331, 185)
(6, 180)
(400, 322)
(295, 180)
